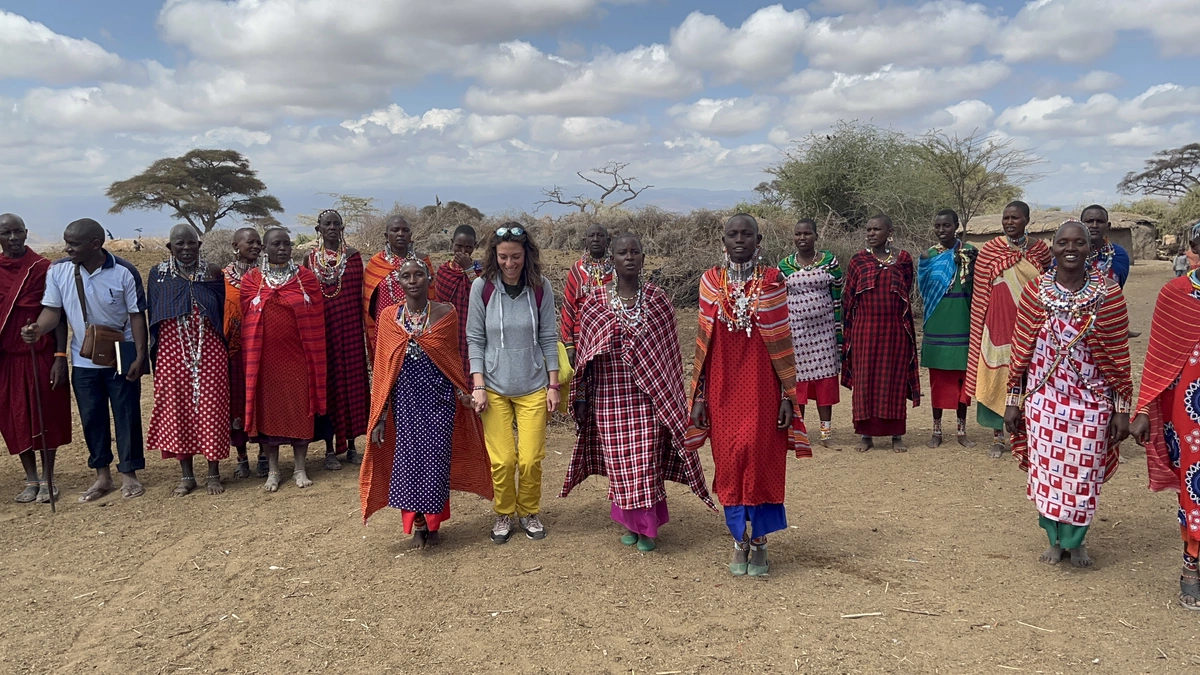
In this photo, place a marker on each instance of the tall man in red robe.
(22, 284)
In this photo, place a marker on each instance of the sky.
(487, 101)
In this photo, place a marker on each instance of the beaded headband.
(328, 211)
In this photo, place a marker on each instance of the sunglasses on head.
(507, 231)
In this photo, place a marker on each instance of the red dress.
(181, 426)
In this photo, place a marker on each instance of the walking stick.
(37, 395)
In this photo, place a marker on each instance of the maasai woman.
(246, 246)
(453, 284)
(814, 285)
(1109, 259)
(339, 268)
(743, 392)
(1168, 413)
(629, 403)
(283, 334)
(513, 338)
(593, 270)
(425, 437)
(1069, 391)
(190, 362)
(944, 280)
(1002, 268)
(881, 345)
(22, 285)
(381, 287)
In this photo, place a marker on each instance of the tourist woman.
(628, 400)
(814, 286)
(1002, 268)
(944, 280)
(190, 361)
(881, 348)
(1168, 419)
(593, 270)
(381, 283)
(1069, 390)
(425, 436)
(283, 336)
(512, 334)
(743, 392)
(247, 244)
(339, 268)
(453, 284)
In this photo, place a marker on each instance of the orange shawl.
(470, 468)
(375, 272)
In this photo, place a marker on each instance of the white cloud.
(843, 6)
(582, 132)
(394, 119)
(605, 85)
(891, 91)
(1098, 80)
(30, 50)
(963, 118)
(1103, 113)
(763, 47)
(724, 117)
(1080, 31)
(939, 33)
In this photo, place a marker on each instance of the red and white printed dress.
(1066, 418)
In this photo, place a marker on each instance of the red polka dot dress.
(182, 423)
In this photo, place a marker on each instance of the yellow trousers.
(516, 455)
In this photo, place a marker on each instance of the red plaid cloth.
(454, 286)
(881, 347)
(578, 289)
(639, 416)
(348, 391)
(302, 294)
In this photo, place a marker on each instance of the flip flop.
(29, 494)
(93, 494)
(44, 494)
(131, 492)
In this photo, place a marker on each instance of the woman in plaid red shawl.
(593, 270)
(744, 392)
(629, 403)
(1168, 413)
(453, 284)
(283, 314)
(339, 268)
(881, 346)
(1069, 391)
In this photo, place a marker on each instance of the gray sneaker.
(533, 526)
(502, 530)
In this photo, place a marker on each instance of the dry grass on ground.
(941, 543)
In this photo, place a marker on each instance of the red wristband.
(555, 387)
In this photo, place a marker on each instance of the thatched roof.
(1048, 221)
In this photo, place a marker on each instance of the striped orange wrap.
(375, 272)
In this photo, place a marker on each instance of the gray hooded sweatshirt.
(511, 341)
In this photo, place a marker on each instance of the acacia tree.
(611, 183)
(201, 187)
(978, 170)
(1170, 173)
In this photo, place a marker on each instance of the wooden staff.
(37, 395)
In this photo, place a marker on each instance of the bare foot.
(331, 463)
(99, 489)
(214, 485)
(186, 485)
(1079, 556)
(263, 467)
(997, 451)
(131, 487)
(29, 494)
(272, 484)
(301, 479)
(243, 469)
(864, 444)
(432, 539)
(1052, 555)
(419, 536)
(898, 444)
(966, 442)
(935, 441)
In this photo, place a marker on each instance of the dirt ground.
(939, 547)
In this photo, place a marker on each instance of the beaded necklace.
(1020, 243)
(891, 256)
(416, 323)
(394, 259)
(597, 270)
(1102, 258)
(740, 297)
(964, 263)
(275, 276)
(1082, 304)
(191, 338)
(329, 267)
(234, 272)
(794, 261)
(630, 317)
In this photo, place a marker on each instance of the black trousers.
(96, 389)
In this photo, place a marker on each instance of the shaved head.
(182, 230)
(86, 229)
(11, 219)
(743, 218)
(275, 232)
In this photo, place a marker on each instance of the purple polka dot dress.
(424, 417)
